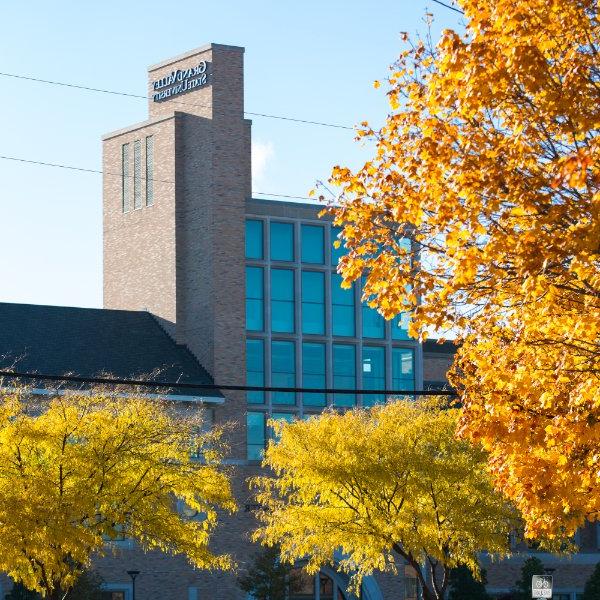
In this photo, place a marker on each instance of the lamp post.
(133, 575)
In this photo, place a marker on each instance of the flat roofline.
(285, 209)
(134, 127)
(268, 201)
(211, 46)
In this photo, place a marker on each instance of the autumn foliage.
(370, 489)
(490, 160)
(85, 469)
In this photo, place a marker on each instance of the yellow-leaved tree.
(87, 468)
(489, 159)
(364, 489)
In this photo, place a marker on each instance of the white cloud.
(262, 153)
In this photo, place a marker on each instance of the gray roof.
(436, 347)
(91, 342)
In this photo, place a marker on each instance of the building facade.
(248, 288)
(248, 285)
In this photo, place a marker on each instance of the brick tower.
(174, 193)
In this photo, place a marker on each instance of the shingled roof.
(91, 342)
(435, 347)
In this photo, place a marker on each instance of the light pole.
(133, 575)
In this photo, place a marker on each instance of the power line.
(213, 386)
(283, 196)
(129, 95)
(120, 175)
(296, 120)
(81, 169)
(449, 6)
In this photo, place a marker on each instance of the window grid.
(314, 372)
(373, 373)
(328, 339)
(313, 302)
(254, 239)
(256, 435)
(255, 369)
(255, 308)
(283, 370)
(312, 244)
(137, 174)
(345, 375)
(150, 170)
(283, 300)
(343, 319)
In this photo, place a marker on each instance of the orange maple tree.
(489, 161)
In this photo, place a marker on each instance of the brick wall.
(139, 246)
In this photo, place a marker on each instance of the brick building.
(205, 283)
(248, 285)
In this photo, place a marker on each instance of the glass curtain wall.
(305, 330)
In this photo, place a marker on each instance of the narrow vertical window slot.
(137, 174)
(125, 183)
(150, 170)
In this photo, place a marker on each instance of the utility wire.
(213, 386)
(197, 105)
(108, 173)
(449, 6)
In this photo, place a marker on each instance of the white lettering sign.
(180, 81)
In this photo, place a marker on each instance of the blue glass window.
(313, 244)
(313, 302)
(282, 300)
(373, 372)
(283, 371)
(255, 369)
(342, 315)
(373, 324)
(344, 373)
(336, 253)
(254, 239)
(255, 435)
(399, 326)
(403, 371)
(276, 416)
(313, 372)
(282, 241)
(254, 299)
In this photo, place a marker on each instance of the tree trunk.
(428, 593)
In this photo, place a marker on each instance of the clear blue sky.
(313, 59)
